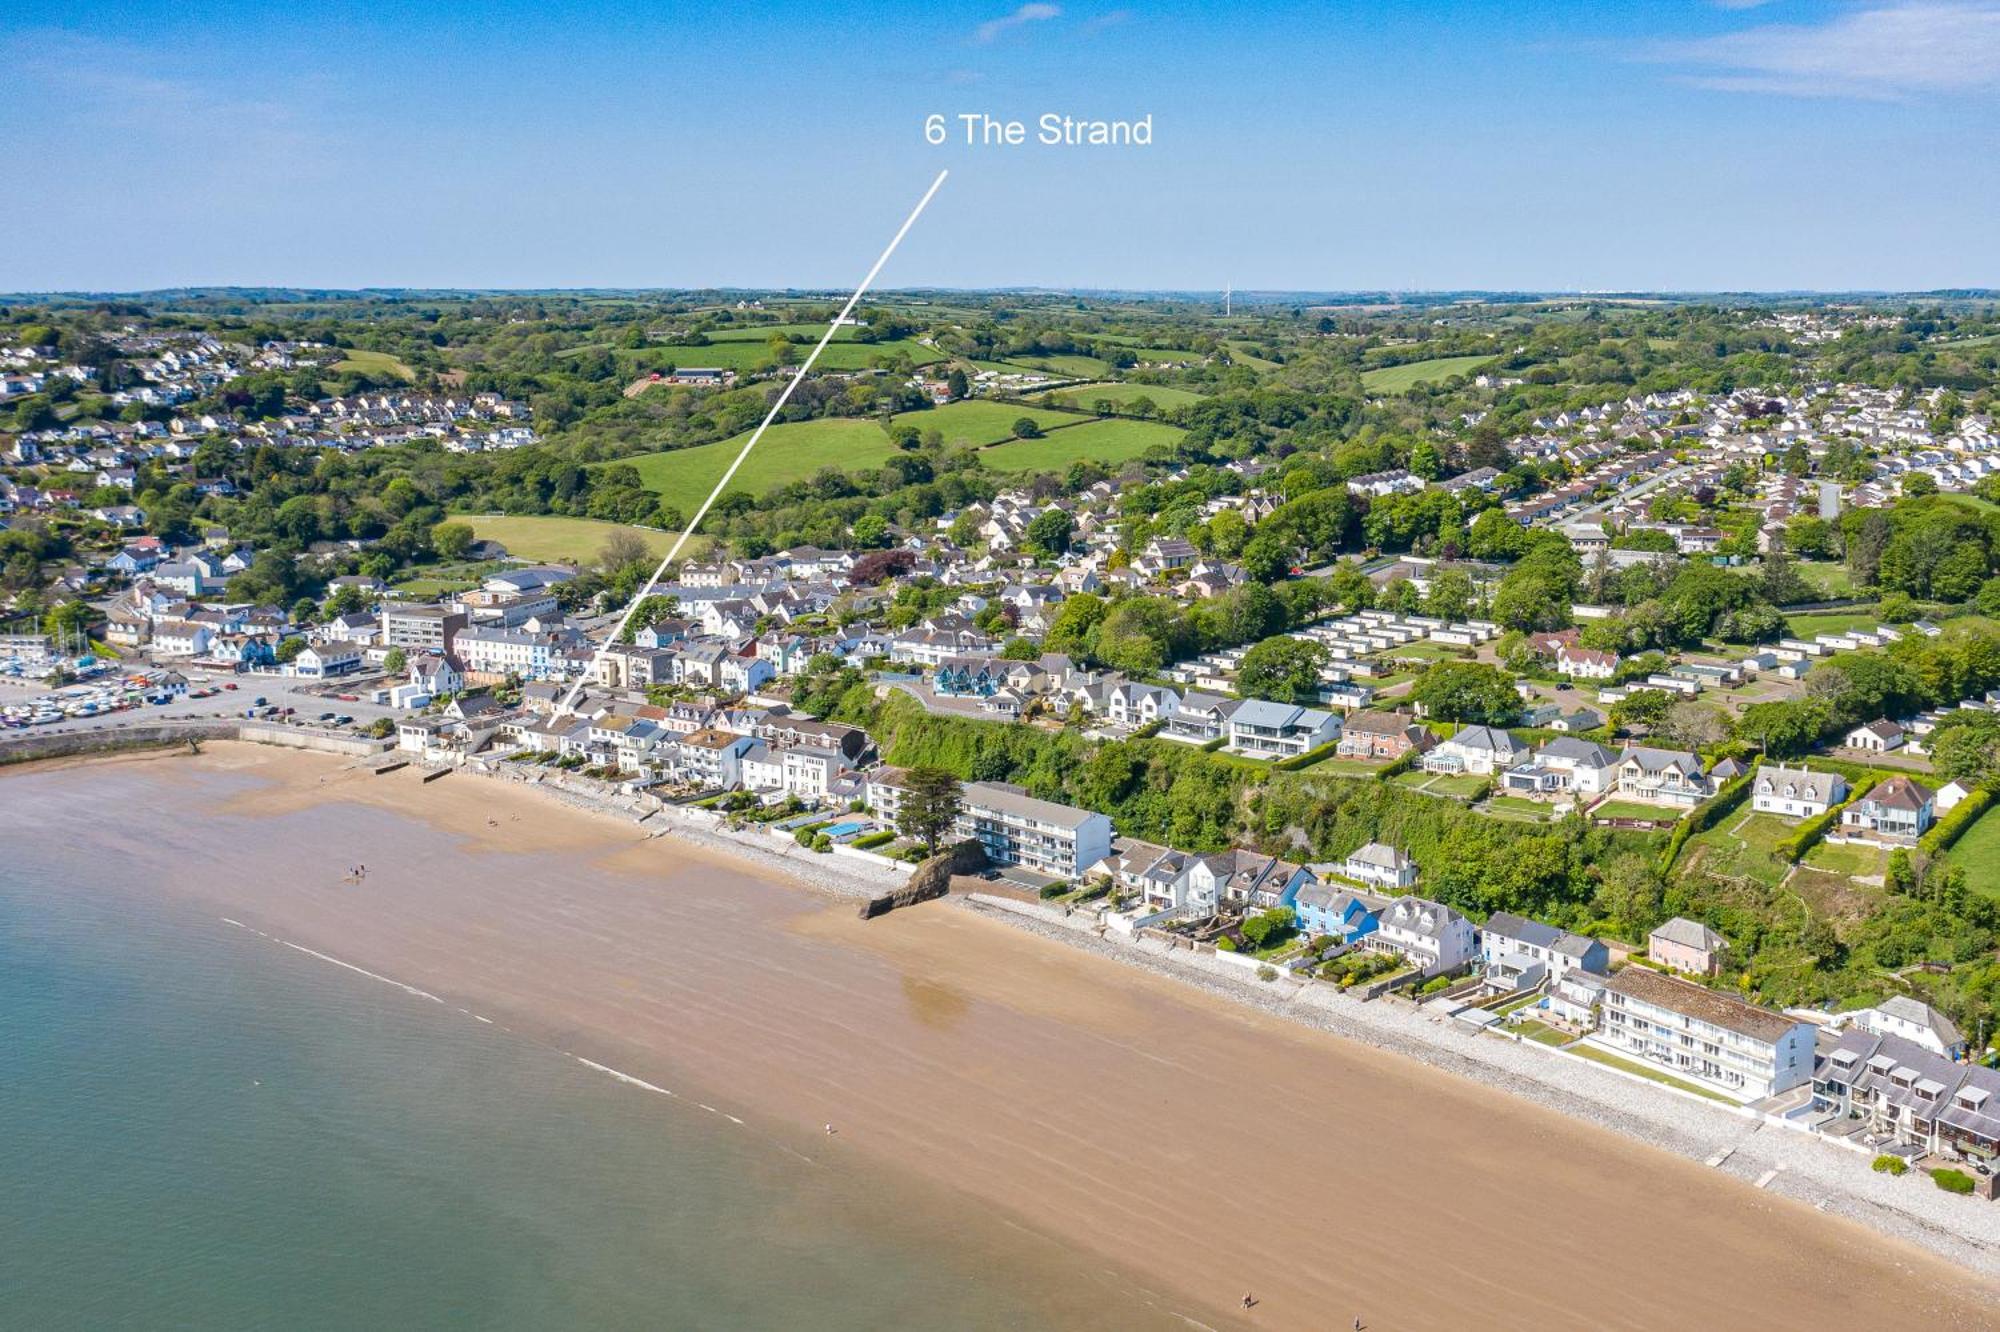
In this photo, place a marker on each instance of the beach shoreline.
(973, 1060)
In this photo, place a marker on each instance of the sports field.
(1401, 378)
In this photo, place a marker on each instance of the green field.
(977, 422)
(1740, 847)
(1977, 852)
(791, 451)
(807, 333)
(1829, 576)
(1401, 378)
(559, 540)
(1122, 395)
(1241, 354)
(1109, 442)
(1831, 622)
(744, 355)
(1077, 367)
(374, 363)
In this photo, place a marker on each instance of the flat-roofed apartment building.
(1041, 835)
(1709, 1038)
(420, 626)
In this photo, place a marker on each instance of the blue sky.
(1694, 145)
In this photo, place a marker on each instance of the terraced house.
(1916, 1096)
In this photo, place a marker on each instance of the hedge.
(1952, 1181)
(1953, 825)
(874, 839)
(1311, 756)
(1810, 832)
(1704, 816)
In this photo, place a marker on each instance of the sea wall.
(30, 748)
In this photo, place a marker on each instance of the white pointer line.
(569, 699)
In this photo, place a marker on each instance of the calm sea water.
(200, 1128)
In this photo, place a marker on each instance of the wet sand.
(1207, 1146)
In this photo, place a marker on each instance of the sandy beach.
(1211, 1147)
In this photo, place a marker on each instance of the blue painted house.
(973, 676)
(1339, 913)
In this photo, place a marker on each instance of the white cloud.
(1885, 51)
(993, 29)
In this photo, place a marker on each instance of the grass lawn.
(1850, 859)
(1543, 1034)
(1109, 442)
(977, 422)
(1533, 809)
(1634, 809)
(1124, 394)
(1740, 847)
(1977, 852)
(1461, 786)
(1597, 1056)
(426, 589)
(1829, 576)
(1424, 652)
(559, 540)
(374, 363)
(1832, 622)
(1401, 378)
(790, 451)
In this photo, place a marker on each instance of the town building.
(1015, 828)
(1687, 945)
(1712, 1039)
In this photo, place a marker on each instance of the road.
(1628, 493)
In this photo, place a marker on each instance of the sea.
(202, 1129)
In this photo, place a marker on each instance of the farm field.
(1240, 353)
(796, 332)
(553, 539)
(791, 451)
(1123, 395)
(1977, 852)
(979, 422)
(1108, 442)
(744, 355)
(1080, 367)
(1400, 378)
(374, 363)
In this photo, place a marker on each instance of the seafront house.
(1912, 1094)
(1476, 750)
(1912, 1020)
(710, 758)
(1328, 910)
(1796, 793)
(1563, 766)
(1661, 777)
(1896, 812)
(1687, 945)
(1380, 865)
(1200, 718)
(1382, 735)
(1428, 935)
(1521, 954)
(1712, 1039)
(1014, 828)
(1268, 730)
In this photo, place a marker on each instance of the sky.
(1456, 144)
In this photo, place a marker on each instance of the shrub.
(1952, 1181)
(822, 844)
(1891, 1165)
(1052, 890)
(1225, 944)
(1953, 825)
(804, 837)
(1705, 816)
(1434, 984)
(1267, 973)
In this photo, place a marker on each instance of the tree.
(623, 550)
(1450, 595)
(1918, 484)
(1283, 669)
(452, 541)
(1966, 747)
(289, 648)
(930, 803)
(1268, 927)
(956, 384)
(1025, 428)
(1467, 691)
(1694, 725)
(396, 662)
(1049, 532)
